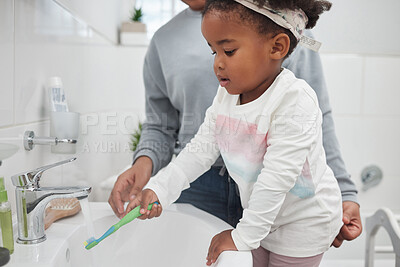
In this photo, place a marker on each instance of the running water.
(88, 217)
(90, 229)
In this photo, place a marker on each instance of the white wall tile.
(48, 42)
(96, 76)
(348, 132)
(6, 62)
(111, 79)
(381, 92)
(343, 75)
(34, 64)
(42, 21)
(369, 140)
(386, 191)
(360, 26)
(380, 136)
(30, 96)
(104, 16)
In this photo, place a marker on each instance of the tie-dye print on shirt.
(242, 146)
(304, 186)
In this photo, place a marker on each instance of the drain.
(371, 176)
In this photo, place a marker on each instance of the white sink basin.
(178, 238)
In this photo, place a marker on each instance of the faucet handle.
(32, 178)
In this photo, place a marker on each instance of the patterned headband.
(293, 20)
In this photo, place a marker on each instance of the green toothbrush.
(133, 214)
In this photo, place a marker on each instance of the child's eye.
(213, 53)
(230, 52)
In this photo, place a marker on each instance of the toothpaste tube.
(58, 102)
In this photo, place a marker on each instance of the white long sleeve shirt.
(272, 148)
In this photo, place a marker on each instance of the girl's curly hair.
(229, 9)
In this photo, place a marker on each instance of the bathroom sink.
(178, 238)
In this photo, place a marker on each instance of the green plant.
(135, 137)
(137, 14)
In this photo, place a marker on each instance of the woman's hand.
(143, 199)
(221, 242)
(129, 184)
(352, 226)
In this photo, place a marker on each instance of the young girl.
(266, 124)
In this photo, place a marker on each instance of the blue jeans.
(216, 193)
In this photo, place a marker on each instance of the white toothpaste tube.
(58, 102)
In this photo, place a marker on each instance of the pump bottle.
(5, 219)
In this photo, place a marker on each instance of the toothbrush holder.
(64, 125)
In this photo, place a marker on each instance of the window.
(157, 12)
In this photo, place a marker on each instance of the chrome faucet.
(31, 201)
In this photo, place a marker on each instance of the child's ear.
(280, 46)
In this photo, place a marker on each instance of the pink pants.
(265, 258)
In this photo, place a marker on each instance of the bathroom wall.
(103, 16)
(361, 59)
(103, 81)
(7, 62)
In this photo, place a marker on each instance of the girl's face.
(242, 60)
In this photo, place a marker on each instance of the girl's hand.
(143, 199)
(221, 242)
